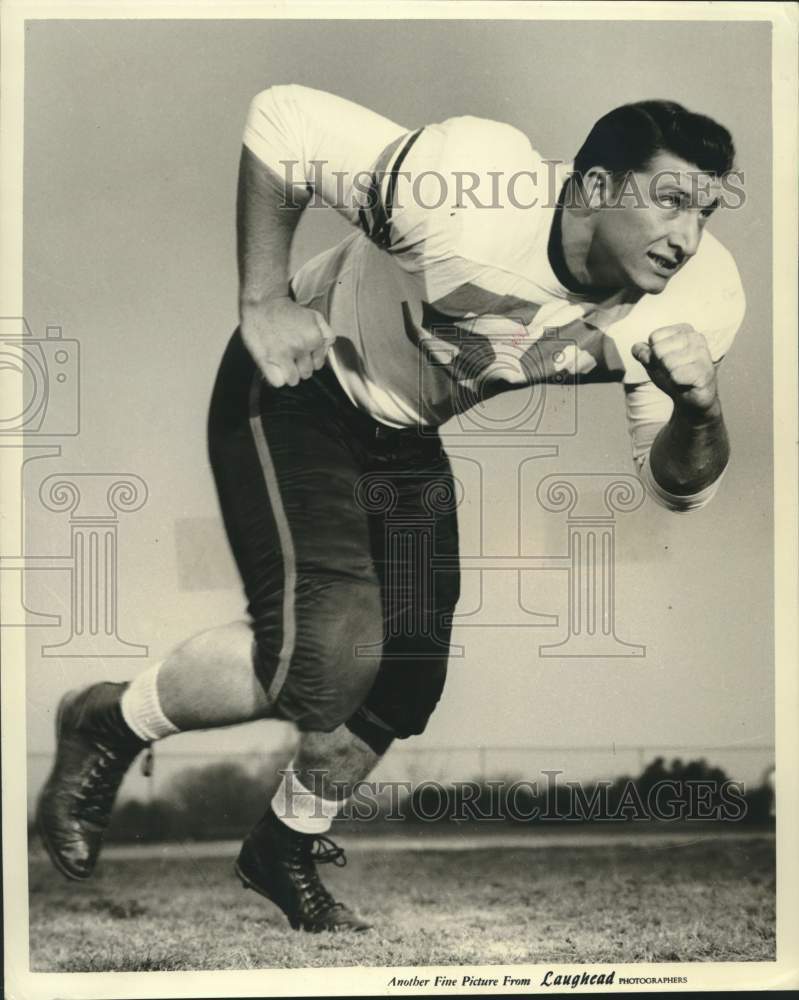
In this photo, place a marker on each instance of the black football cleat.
(95, 747)
(280, 864)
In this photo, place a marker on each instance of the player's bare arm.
(692, 450)
(288, 341)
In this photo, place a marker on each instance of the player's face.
(651, 223)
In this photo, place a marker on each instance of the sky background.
(132, 139)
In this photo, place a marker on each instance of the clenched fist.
(287, 341)
(678, 361)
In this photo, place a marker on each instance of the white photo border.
(20, 983)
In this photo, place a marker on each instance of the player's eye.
(707, 210)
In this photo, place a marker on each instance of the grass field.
(707, 901)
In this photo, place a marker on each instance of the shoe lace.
(101, 781)
(325, 851)
(317, 850)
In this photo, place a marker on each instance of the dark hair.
(627, 138)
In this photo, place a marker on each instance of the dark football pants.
(345, 535)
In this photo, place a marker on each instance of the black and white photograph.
(399, 487)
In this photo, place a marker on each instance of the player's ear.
(597, 187)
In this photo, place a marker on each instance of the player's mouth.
(663, 265)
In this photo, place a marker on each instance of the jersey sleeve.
(432, 198)
(317, 141)
(648, 409)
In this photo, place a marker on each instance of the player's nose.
(685, 235)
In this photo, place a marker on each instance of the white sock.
(141, 707)
(300, 809)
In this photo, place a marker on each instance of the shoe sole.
(40, 829)
(247, 883)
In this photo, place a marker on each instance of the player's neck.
(570, 241)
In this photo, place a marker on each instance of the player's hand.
(288, 341)
(678, 361)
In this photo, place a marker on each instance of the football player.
(474, 267)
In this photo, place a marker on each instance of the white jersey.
(446, 288)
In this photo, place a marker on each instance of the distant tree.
(223, 800)
(146, 822)
(652, 774)
(220, 800)
(761, 805)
